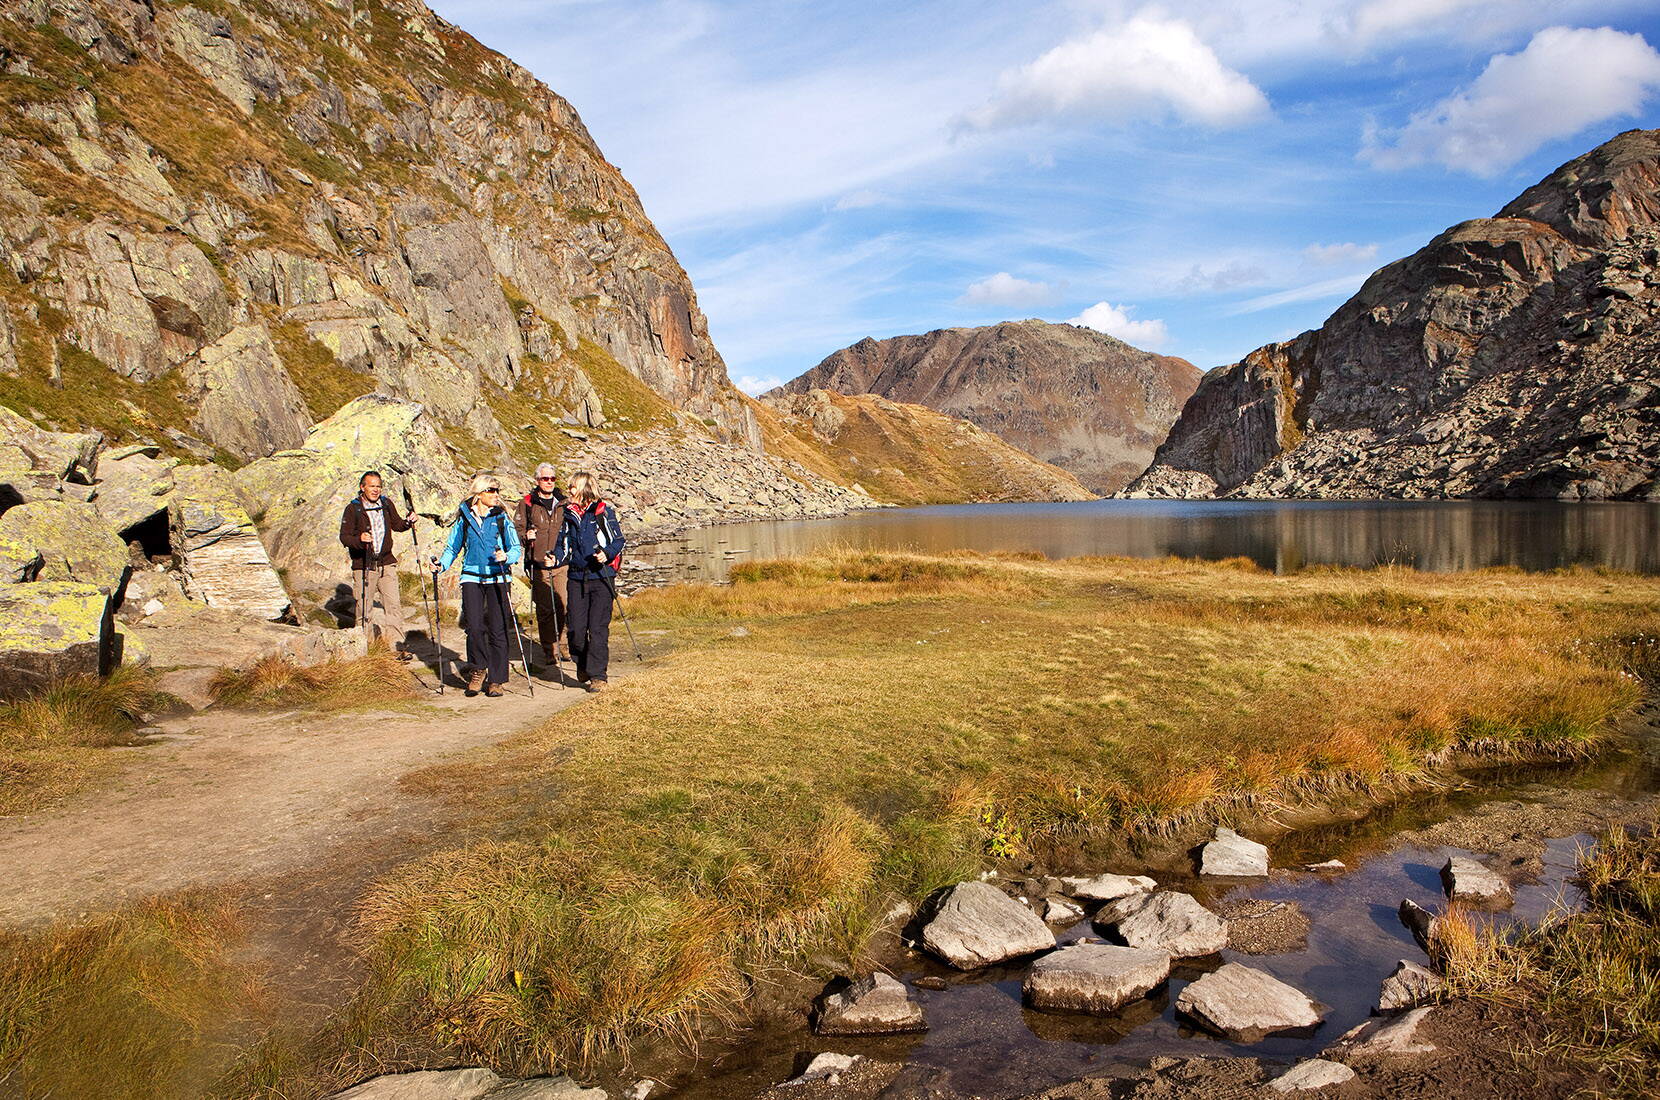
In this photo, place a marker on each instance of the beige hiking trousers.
(387, 619)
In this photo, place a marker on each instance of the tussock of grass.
(1593, 977)
(889, 722)
(139, 996)
(275, 682)
(49, 742)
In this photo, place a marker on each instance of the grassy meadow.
(829, 736)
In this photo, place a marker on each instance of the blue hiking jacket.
(585, 532)
(482, 538)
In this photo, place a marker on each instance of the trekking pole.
(524, 658)
(616, 601)
(409, 504)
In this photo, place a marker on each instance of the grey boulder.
(1316, 1073)
(1172, 922)
(1061, 911)
(1393, 1035)
(1419, 921)
(466, 1084)
(874, 1005)
(1094, 977)
(1233, 855)
(973, 924)
(1247, 1004)
(1469, 881)
(1408, 987)
(1106, 887)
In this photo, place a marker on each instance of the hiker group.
(570, 544)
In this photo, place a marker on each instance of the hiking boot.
(403, 655)
(475, 682)
(493, 690)
(596, 685)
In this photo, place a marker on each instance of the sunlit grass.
(50, 743)
(333, 685)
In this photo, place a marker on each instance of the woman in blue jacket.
(591, 543)
(487, 542)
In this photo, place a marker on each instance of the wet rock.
(53, 629)
(1316, 1073)
(223, 560)
(932, 982)
(1467, 880)
(1419, 921)
(60, 540)
(544, 1088)
(1408, 987)
(1233, 855)
(1061, 911)
(1173, 922)
(825, 1067)
(1106, 887)
(1391, 1035)
(1094, 978)
(1246, 1004)
(1326, 867)
(448, 1084)
(642, 1089)
(973, 924)
(874, 1005)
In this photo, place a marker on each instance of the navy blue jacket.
(586, 532)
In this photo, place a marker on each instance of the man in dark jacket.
(366, 529)
(537, 518)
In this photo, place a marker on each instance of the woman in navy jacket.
(591, 543)
(486, 540)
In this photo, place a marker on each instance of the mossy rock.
(60, 540)
(52, 629)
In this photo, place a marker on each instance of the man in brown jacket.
(537, 516)
(366, 529)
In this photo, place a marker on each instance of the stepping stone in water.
(1316, 1073)
(1408, 987)
(1061, 911)
(875, 1005)
(1246, 1004)
(1374, 1038)
(1094, 978)
(1232, 855)
(1107, 887)
(826, 1067)
(974, 924)
(1469, 881)
(1172, 922)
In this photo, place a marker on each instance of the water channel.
(1442, 536)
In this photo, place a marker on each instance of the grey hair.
(547, 469)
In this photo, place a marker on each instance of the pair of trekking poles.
(435, 619)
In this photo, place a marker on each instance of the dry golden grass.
(890, 721)
(275, 682)
(50, 743)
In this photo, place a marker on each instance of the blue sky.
(1196, 178)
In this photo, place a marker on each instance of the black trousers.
(484, 618)
(588, 611)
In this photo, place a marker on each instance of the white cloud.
(1230, 276)
(755, 386)
(1331, 255)
(1115, 321)
(1148, 66)
(1341, 287)
(1003, 289)
(1564, 81)
(861, 199)
(1387, 18)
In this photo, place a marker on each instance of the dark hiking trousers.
(588, 611)
(483, 617)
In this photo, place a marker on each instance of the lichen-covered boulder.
(52, 629)
(60, 540)
(300, 494)
(223, 561)
(245, 401)
(133, 485)
(65, 456)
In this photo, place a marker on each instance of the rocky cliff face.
(910, 454)
(1071, 396)
(221, 221)
(1512, 356)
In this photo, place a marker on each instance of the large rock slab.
(877, 1004)
(1394, 1035)
(246, 403)
(1246, 1004)
(1106, 887)
(1094, 977)
(60, 456)
(300, 494)
(466, 1084)
(973, 924)
(1409, 986)
(1172, 922)
(133, 486)
(61, 540)
(1316, 1073)
(219, 550)
(1469, 881)
(545, 1088)
(53, 629)
(1233, 855)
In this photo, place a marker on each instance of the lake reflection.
(1439, 536)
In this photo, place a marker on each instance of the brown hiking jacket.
(531, 514)
(354, 521)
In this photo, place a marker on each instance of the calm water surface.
(1441, 536)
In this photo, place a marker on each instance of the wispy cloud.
(1566, 80)
(1342, 287)
(1331, 255)
(1003, 289)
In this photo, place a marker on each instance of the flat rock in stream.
(475, 1083)
(1106, 887)
(1246, 1004)
(1233, 856)
(1171, 922)
(1061, 911)
(1408, 987)
(1467, 880)
(973, 924)
(1095, 977)
(1316, 1073)
(874, 1005)
(1392, 1035)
